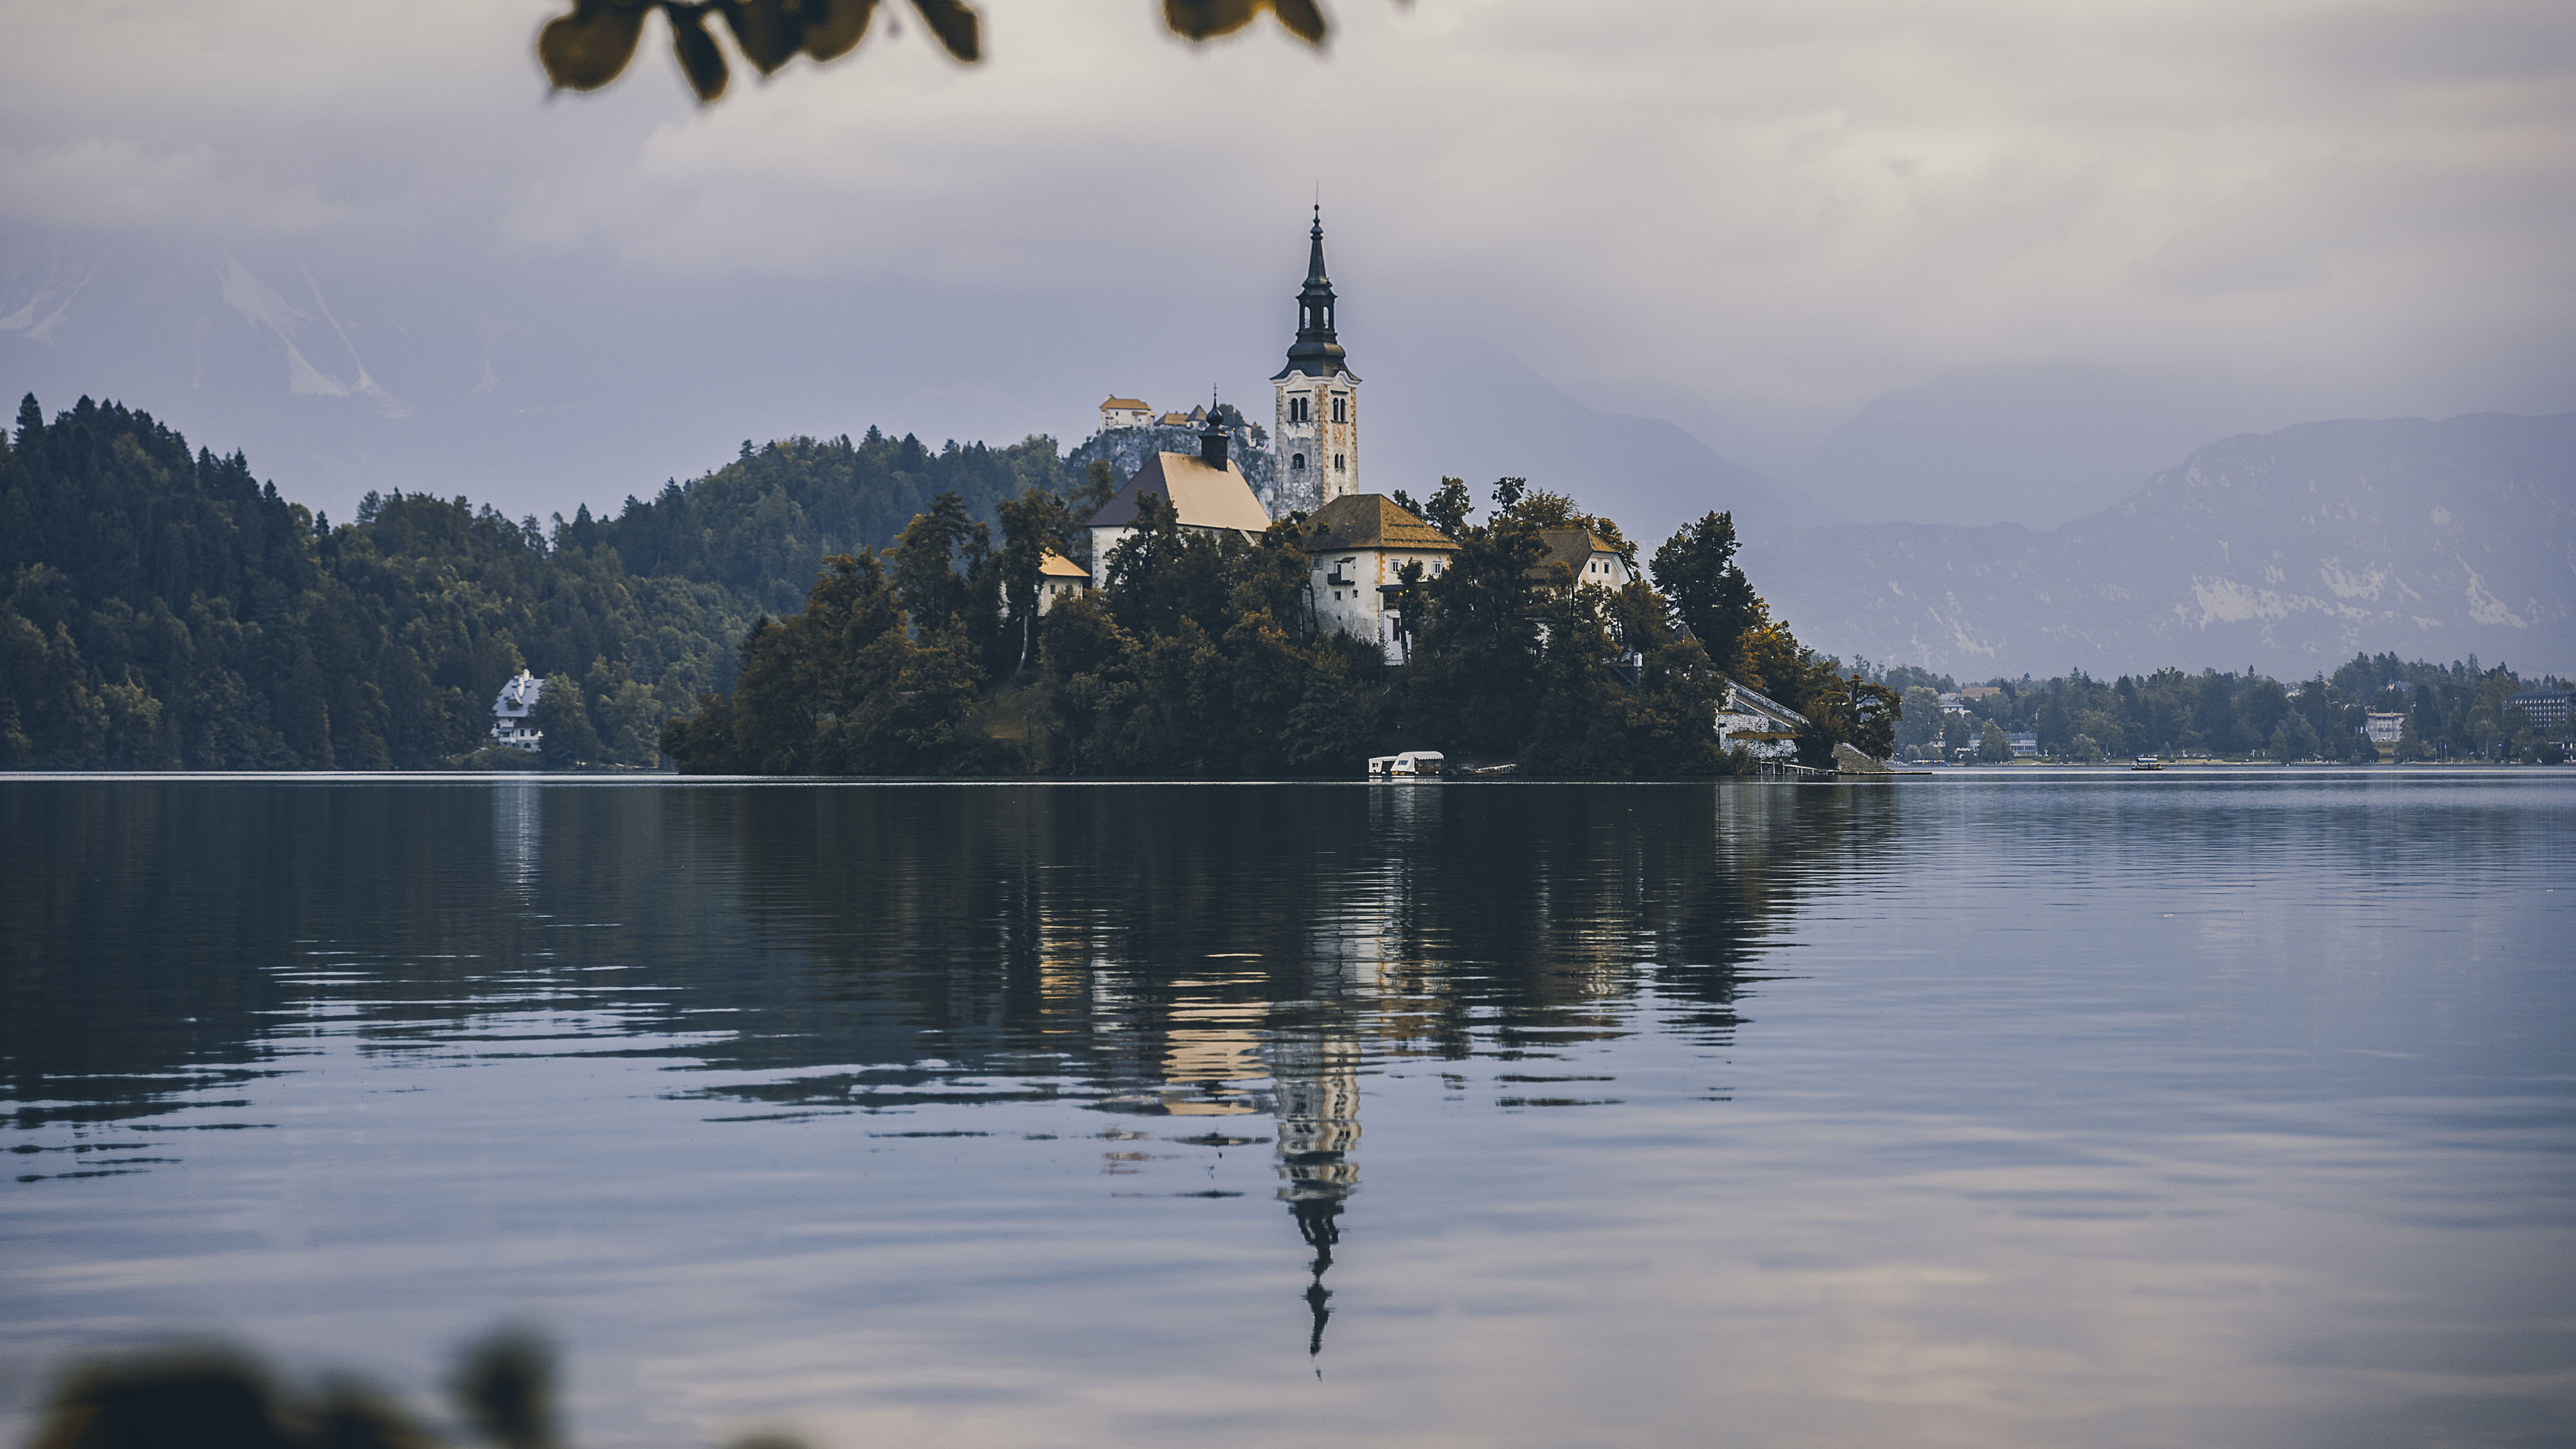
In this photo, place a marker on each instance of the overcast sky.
(360, 240)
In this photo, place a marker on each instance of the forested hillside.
(168, 609)
(761, 526)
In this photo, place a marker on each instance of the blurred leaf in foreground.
(591, 46)
(1207, 19)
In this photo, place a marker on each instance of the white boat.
(2146, 762)
(1411, 765)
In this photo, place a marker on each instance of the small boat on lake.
(1411, 765)
(2146, 762)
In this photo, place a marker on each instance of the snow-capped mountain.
(2288, 551)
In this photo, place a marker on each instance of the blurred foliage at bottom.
(209, 1398)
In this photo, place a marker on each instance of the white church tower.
(1317, 433)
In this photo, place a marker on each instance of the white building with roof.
(511, 711)
(1587, 557)
(1059, 579)
(1125, 412)
(1360, 544)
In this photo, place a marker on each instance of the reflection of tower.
(1316, 1067)
(515, 816)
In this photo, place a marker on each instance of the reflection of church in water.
(1227, 1039)
(1216, 1062)
(1311, 1047)
(1315, 1068)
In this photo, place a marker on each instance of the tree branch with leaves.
(591, 47)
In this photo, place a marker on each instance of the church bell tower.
(1317, 433)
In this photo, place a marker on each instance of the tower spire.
(1316, 352)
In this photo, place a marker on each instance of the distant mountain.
(1444, 408)
(2038, 446)
(2288, 551)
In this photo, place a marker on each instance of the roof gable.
(1204, 497)
(1742, 700)
(1371, 520)
(1572, 547)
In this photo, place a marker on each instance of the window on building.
(1296, 462)
(1341, 409)
(1298, 410)
(1337, 463)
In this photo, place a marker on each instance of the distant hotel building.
(2383, 729)
(2547, 709)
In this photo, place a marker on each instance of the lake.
(1990, 1108)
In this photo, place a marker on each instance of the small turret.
(1212, 443)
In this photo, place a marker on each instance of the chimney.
(1212, 444)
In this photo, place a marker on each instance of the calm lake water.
(2078, 1109)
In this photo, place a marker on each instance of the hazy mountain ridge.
(2290, 551)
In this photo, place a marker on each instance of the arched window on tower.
(1341, 409)
(1296, 462)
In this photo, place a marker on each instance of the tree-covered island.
(1200, 656)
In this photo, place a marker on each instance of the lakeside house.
(1360, 544)
(1764, 727)
(511, 711)
(2383, 727)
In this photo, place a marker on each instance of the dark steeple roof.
(1316, 353)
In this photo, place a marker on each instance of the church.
(1360, 542)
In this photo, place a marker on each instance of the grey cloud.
(1761, 219)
